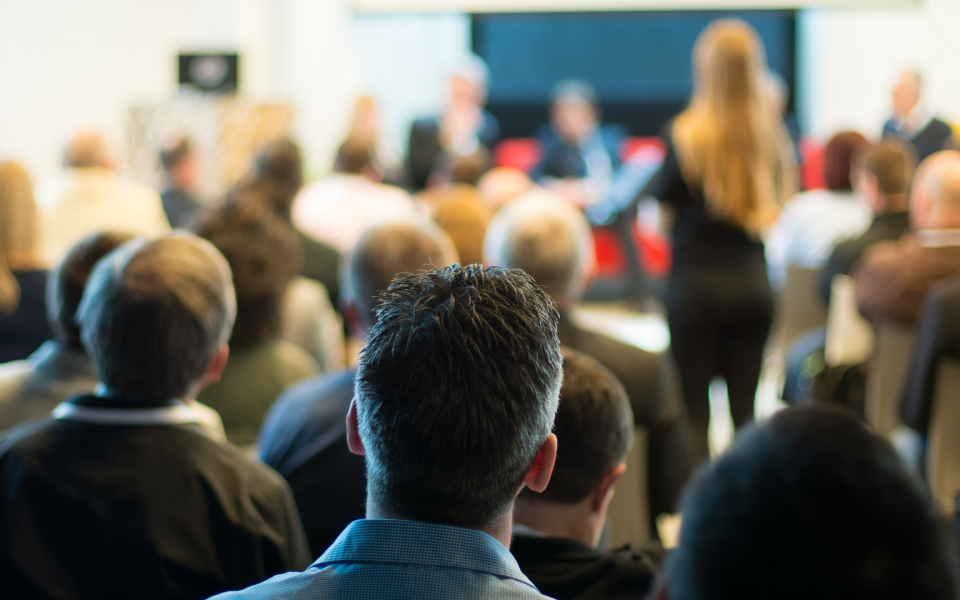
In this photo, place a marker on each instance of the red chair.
(811, 164)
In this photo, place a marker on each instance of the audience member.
(914, 122)
(60, 368)
(463, 128)
(365, 129)
(23, 280)
(882, 174)
(893, 277)
(458, 207)
(551, 240)
(94, 198)
(264, 257)
(304, 436)
(727, 169)
(120, 493)
(815, 221)
(338, 209)
(810, 504)
(501, 185)
(448, 447)
(181, 172)
(556, 533)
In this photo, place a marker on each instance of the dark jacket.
(181, 208)
(936, 136)
(23, 331)
(424, 146)
(562, 160)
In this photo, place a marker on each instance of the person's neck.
(501, 529)
(896, 203)
(24, 261)
(575, 521)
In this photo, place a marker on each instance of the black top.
(304, 438)
(181, 207)
(936, 136)
(846, 254)
(424, 146)
(567, 569)
(93, 510)
(22, 332)
(321, 263)
(561, 160)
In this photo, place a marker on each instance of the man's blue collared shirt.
(383, 558)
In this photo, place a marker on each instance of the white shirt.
(95, 200)
(338, 209)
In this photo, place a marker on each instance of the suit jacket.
(845, 255)
(938, 335)
(181, 207)
(567, 569)
(894, 277)
(561, 160)
(424, 146)
(650, 381)
(936, 136)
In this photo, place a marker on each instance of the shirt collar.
(915, 122)
(393, 541)
(938, 238)
(107, 410)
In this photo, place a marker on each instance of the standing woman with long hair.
(23, 280)
(728, 168)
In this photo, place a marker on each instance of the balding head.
(86, 149)
(547, 237)
(935, 203)
(386, 250)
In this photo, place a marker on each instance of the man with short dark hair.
(181, 172)
(455, 398)
(810, 504)
(122, 493)
(557, 531)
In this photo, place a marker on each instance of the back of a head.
(548, 238)
(595, 422)
(19, 230)
(264, 255)
(279, 166)
(154, 314)
(353, 157)
(386, 250)
(456, 392)
(574, 91)
(466, 169)
(891, 163)
(67, 282)
(809, 505)
(465, 220)
(174, 151)
(943, 183)
(86, 149)
(838, 158)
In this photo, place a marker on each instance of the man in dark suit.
(556, 532)
(551, 240)
(181, 170)
(304, 434)
(881, 176)
(914, 123)
(121, 493)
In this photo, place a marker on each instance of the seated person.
(264, 257)
(893, 278)
(881, 176)
(304, 436)
(551, 240)
(448, 447)
(913, 122)
(556, 532)
(810, 504)
(60, 368)
(181, 172)
(121, 494)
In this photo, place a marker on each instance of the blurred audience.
(365, 129)
(458, 207)
(500, 185)
(556, 532)
(815, 221)
(94, 198)
(23, 279)
(913, 122)
(882, 175)
(728, 168)
(894, 277)
(463, 127)
(551, 241)
(813, 505)
(121, 493)
(181, 173)
(264, 257)
(304, 436)
(448, 447)
(338, 209)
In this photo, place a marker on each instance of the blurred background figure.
(463, 127)
(23, 278)
(181, 173)
(913, 121)
(500, 185)
(365, 129)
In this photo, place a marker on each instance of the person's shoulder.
(13, 376)
(294, 360)
(295, 405)
(22, 439)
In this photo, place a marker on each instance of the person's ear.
(217, 364)
(538, 475)
(353, 431)
(604, 492)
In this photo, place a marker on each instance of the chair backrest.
(800, 308)
(850, 337)
(886, 375)
(629, 510)
(943, 441)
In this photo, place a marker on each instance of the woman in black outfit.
(728, 168)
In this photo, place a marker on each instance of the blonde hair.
(730, 140)
(19, 231)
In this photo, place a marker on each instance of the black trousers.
(718, 328)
